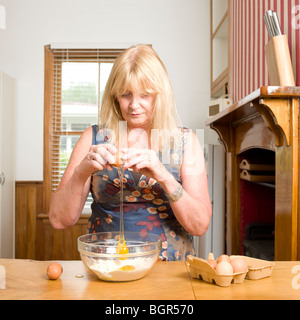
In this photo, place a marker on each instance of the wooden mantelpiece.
(266, 119)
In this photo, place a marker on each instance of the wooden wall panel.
(59, 244)
(35, 237)
(28, 203)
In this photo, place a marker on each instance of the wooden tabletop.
(26, 279)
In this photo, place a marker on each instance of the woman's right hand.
(69, 198)
(99, 157)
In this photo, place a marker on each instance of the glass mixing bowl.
(98, 251)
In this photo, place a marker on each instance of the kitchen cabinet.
(7, 164)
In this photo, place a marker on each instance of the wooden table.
(26, 279)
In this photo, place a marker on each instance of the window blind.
(78, 81)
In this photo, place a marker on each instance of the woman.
(165, 186)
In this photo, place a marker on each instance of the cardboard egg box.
(257, 269)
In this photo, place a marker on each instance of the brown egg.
(211, 260)
(224, 267)
(227, 258)
(54, 271)
(238, 265)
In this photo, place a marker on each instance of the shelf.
(219, 35)
(219, 12)
(247, 165)
(255, 177)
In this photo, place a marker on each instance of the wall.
(248, 39)
(177, 29)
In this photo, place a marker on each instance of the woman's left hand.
(146, 162)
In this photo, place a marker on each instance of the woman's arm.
(69, 198)
(193, 210)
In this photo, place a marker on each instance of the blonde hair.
(139, 69)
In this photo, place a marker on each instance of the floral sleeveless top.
(146, 207)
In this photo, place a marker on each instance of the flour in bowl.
(121, 270)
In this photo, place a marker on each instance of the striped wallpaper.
(248, 67)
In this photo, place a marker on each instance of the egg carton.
(201, 269)
(257, 268)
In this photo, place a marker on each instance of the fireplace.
(257, 185)
(262, 129)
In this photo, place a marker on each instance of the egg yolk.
(118, 163)
(127, 268)
(122, 248)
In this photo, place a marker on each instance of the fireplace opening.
(257, 173)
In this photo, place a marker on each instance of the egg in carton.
(201, 269)
(257, 268)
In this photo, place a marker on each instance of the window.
(75, 80)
